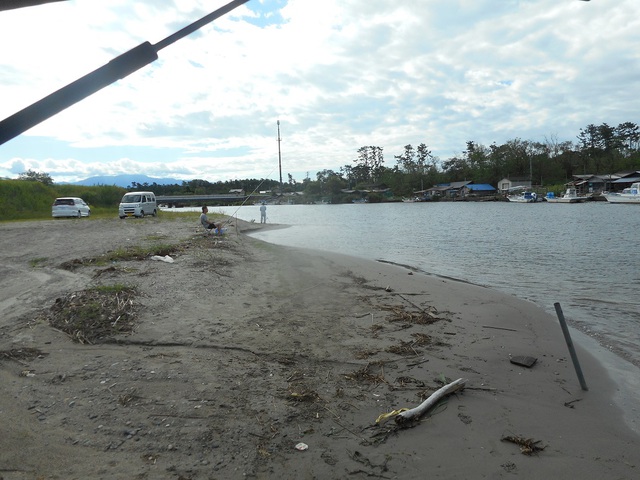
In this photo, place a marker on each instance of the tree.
(406, 162)
(33, 176)
(369, 163)
(629, 135)
(424, 158)
(347, 172)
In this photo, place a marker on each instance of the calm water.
(584, 256)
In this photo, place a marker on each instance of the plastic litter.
(166, 258)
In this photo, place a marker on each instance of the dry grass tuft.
(94, 315)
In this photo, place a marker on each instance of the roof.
(481, 187)
(438, 188)
(630, 173)
(627, 180)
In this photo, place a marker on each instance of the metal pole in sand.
(572, 350)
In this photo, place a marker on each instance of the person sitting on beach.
(204, 220)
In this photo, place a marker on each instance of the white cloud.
(338, 75)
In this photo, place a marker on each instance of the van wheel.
(122, 217)
(141, 213)
(79, 214)
(155, 213)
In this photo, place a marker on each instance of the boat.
(570, 196)
(628, 195)
(524, 197)
(416, 199)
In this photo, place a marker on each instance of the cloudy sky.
(337, 74)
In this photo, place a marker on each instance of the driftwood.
(430, 402)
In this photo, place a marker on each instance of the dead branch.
(430, 402)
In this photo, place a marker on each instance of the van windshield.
(131, 199)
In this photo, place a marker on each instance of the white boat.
(570, 196)
(628, 195)
(524, 197)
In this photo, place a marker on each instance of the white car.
(70, 207)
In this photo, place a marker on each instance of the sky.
(336, 74)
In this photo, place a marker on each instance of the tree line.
(597, 149)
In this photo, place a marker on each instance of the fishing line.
(248, 197)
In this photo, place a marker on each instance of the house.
(507, 184)
(478, 190)
(624, 180)
(237, 191)
(448, 190)
(587, 184)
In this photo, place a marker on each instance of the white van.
(138, 204)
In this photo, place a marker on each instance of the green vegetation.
(599, 150)
(32, 200)
(36, 262)
(124, 254)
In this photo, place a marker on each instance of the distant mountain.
(126, 179)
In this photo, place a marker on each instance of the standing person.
(204, 220)
(263, 213)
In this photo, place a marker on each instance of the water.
(584, 256)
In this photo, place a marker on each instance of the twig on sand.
(500, 328)
(430, 402)
(528, 446)
(403, 415)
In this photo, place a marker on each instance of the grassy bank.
(31, 200)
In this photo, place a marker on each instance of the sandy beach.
(249, 360)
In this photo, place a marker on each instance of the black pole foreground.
(572, 350)
(116, 69)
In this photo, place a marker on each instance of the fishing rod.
(116, 69)
(228, 220)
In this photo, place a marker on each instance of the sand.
(243, 350)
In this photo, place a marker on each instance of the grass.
(31, 200)
(36, 262)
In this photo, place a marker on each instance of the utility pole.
(279, 158)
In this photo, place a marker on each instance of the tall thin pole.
(279, 157)
(572, 350)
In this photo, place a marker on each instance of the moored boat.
(570, 196)
(628, 195)
(524, 197)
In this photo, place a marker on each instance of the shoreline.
(624, 368)
(244, 349)
(622, 371)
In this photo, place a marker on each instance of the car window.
(63, 201)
